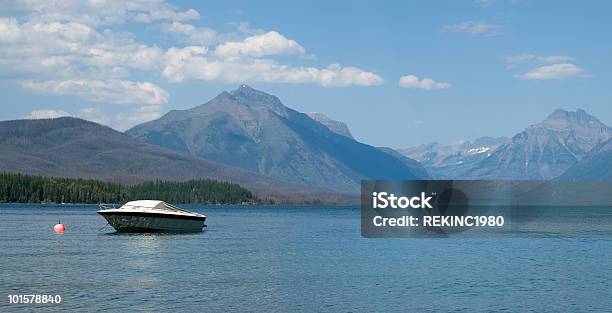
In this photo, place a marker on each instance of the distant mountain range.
(250, 138)
(253, 130)
(542, 151)
(452, 161)
(70, 147)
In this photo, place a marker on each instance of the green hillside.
(20, 188)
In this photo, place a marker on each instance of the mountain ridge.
(451, 161)
(75, 148)
(253, 130)
(596, 165)
(544, 150)
(337, 127)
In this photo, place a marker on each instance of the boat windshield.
(153, 205)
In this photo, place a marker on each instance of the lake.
(281, 259)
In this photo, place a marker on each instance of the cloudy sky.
(399, 74)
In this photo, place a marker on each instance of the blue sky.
(469, 68)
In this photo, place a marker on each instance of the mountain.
(544, 150)
(419, 169)
(71, 147)
(253, 130)
(451, 161)
(333, 125)
(596, 165)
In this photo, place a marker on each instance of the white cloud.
(71, 50)
(74, 59)
(191, 34)
(42, 114)
(411, 81)
(338, 76)
(9, 30)
(532, 58)
(474, 28)
(125, 120)
(554, 71)
(104, 12)
(245, 28)
(270, 43)
(94, 115)
(122, 121)
(553, 66)
(167, 14)
(79, 48)
(196, 63)
(114, 91)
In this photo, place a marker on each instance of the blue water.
(284, 259)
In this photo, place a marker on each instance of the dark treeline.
(20, 188)
(193, 191)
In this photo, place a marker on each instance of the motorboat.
(152, 216)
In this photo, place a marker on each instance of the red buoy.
(59, 228)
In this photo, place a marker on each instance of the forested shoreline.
(21, 188)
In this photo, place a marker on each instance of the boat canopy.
(152, 205)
